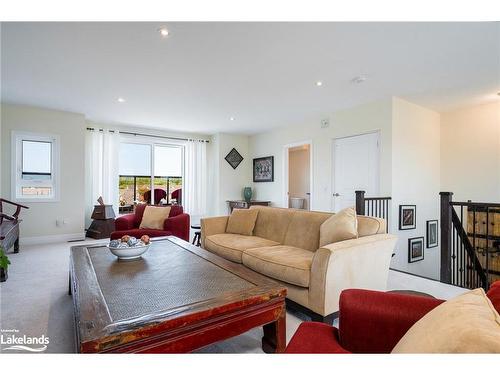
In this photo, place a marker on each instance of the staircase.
(470, 242)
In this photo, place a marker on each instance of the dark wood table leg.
(274, 340)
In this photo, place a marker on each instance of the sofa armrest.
(359, 263)
(374, 322)
(178, 225)
(212, 225)
(125, 222)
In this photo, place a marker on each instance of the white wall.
(409, 164)
(416, 180)
(40, 219)
(361, 119)
(470, 153)
(228, 183)
(299, 174)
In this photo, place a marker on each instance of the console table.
(245, 204)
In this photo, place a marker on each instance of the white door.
(356, 167)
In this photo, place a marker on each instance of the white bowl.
(129, 253)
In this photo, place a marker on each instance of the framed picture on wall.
(432, 233)
(263, 169)
(407, 217)
(234, 158)
(415, 249)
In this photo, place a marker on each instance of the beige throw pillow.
(339, 227)
(242, 221)
(465, 324)
(154, 217)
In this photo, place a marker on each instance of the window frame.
(17, 182)
(152, 142)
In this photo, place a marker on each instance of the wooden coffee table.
(176, 299)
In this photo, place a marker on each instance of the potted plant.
(4, 265)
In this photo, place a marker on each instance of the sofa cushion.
(154, 217)
(303, 230)
(242, 221)
(272, 223)
(339, 227)
(370, 225)
(315, 338)
(231, 246)
(465, 324)
(139, 211)
(494, 295)
(286, 263)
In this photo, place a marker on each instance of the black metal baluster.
(388, 213)
(455, 250)
(487, 247)
(474, 240)
(453, 257)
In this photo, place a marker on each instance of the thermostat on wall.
(325, 123)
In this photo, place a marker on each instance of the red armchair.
(177, 224)
(159, 195)
(177, 195)
(369, 322)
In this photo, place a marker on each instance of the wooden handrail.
(15, 215)
(13, 203)
(475, 204)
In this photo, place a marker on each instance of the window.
(146, 167)
(35, 167)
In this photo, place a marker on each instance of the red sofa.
(369, 322)
(177, 224)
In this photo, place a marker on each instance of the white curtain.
(102, 155)
(194, 196)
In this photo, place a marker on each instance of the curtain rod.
(153, 136)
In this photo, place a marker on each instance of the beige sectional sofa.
(284, 245)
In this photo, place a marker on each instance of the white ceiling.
(262, 74)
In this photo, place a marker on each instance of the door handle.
(336, 194)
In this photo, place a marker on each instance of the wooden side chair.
(9, 226)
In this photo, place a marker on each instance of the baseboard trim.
(51, 238)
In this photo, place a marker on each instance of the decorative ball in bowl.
(129, 248)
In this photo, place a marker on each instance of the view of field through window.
(135, 174)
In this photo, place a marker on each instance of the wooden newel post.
(446, 232)
(360, 202)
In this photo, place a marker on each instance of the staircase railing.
(373, 206)
(470, 245)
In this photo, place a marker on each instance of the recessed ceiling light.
(120, 100)
(163, 31)
(319, 83)
(358, 79)
(231, 118)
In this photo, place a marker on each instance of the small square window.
(35, 167)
